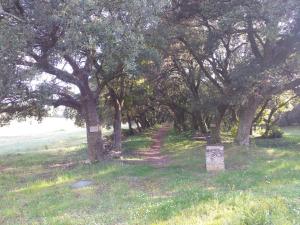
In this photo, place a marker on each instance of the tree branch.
(3, 13)
(72, 62)
(42, 63)
(288, 86)
(251, 37)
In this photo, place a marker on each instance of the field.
(261, 185)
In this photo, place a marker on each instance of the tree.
(273, 108)
(117, 91)
(274, 45)
(79, 46)
(206, 30)
(237, 44)
(18, 98)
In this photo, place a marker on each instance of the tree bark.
(179, 120)
(216, 126)
(96, 152)
(203, 125)
(199, 123)
(118, 126)
(195, 124)
(246, 117)
(144, 122)
(268, 123)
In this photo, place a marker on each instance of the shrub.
(126, 133)
(275, 132)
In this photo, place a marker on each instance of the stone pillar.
(215, 158)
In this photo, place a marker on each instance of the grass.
(261, 185)
(31, 136)
(137, 143)
(52, 134)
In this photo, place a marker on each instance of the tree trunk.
(268, 123)
(96, 152)
(195, 124)
(131, 131)
(208, 120)
(203, 125)
(267, 131)
(144, 122)
(216, 126)
(246, 117)
(179, 120)
(118, 126)
(138, 125)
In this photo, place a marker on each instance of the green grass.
(137, 143)
(261, 185)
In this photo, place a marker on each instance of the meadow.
(261, 184)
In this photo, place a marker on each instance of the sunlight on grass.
(261, 185)
(45, 184)
(241, 209)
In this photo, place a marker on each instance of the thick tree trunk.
(195, 124)
(179, 121)
(246, 117)
(96, 152)
(118, 127)
(216, 131)
(216, 126)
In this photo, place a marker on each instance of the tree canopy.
(205, 65)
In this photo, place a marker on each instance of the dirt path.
(153, 155)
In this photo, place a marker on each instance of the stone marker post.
(215, 158)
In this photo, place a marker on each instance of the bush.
(126, 133)
(275, 132)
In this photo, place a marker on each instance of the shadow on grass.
(288, 143)
(246, 168)
(20, 160)
(170, 195)
(138, 142)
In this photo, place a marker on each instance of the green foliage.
(275, 132)
(193, 57)
(98, 39)
(18, 99)
(234, 131)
